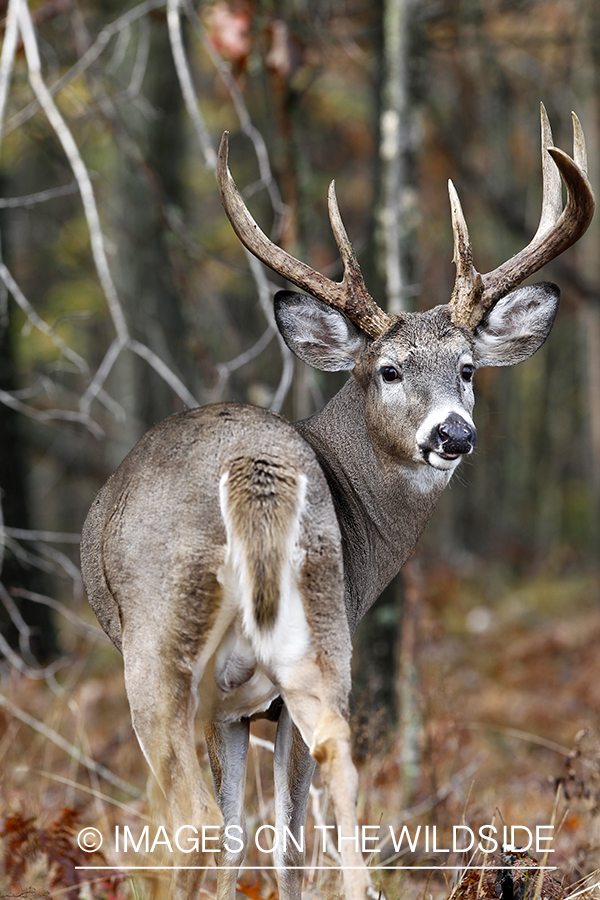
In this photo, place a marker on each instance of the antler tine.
(551, 184)
(558, 229)
(579, 151)
(359, 303)
(468, 285)
(350, 296)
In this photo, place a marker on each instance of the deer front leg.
(293, 769)
(228, 753)
(162, 711)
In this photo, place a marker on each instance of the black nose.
(456, 435)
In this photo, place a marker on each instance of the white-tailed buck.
(232, 554)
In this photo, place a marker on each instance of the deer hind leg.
(228, 752)
(294, 768)
(317, 711)
(163, 705)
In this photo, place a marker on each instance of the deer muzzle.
(443, 439)
(456, 437)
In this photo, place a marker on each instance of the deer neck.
(381, 509)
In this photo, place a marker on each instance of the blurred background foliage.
(485, 649)
(389, 97)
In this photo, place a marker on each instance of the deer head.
(417, 368)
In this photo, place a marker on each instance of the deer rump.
(229, 564)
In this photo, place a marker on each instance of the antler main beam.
(349, 296)
(475, 294)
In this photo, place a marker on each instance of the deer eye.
(389, 373)
(467, 371)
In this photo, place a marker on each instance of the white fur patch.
(424, 479)
(277, 649)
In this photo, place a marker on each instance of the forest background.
(125, 296)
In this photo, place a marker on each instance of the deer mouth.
(437, 458)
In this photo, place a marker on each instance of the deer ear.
(517, 325)
(317, 334)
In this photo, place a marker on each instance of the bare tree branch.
(49, 415)
(183, 72)
(247, 126)
(74, 752)
(7, 59)
(185, 81)
(164, 371)
(77, 165)
(37, 322)
(141, 61)
(28, 200)
(80, 624)
(104, 370)
(88, 58)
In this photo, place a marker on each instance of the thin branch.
(248, 355)
(183, 72)
(28, 200)
(29, 558)
(23, 629)
(7, 59)
(88, 58)
(256, 741)
(49, 415)
(120, 50)
(90, 630)
(74, 752)
(317, 814)
(95, 387)
(68, 567)
(249, 129)
(28, 671)
(84, 788)
(37, 322)
(104, 369)
(19, 664)
(391, 227)
(77, 165)
(166, 374)
(224, 370)
(264, 298)
(112, 405)
(41, 385)
(141, 61)
(523, 736)
(187, 88)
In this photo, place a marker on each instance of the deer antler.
(350, 296)
(475, 294)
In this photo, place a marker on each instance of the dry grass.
(508, 700)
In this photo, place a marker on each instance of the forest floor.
(503, 730)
